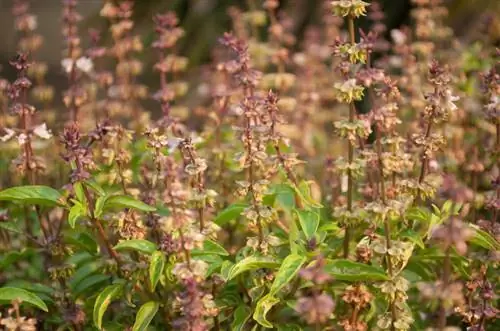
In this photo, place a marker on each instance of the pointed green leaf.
(125, 201)
(89, 283)
(483, 239)
(75, 213)
(289, 268)
(8, 294)
(141, 245)
(103, 300)
(210, 247)
(32, 194)
(230, 213)
(145, 315)
(241, 316)
(251, 263)
(353, 271)
(309, 222)
(263, 306)
(156, 268)
(99, 206)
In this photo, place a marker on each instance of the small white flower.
(85, 64)
(9, 134)
(32, 22)
(42, 131)
(173, 143)
(450, 101)
(67, 65)
(343, 184)
(21, 139)
(398, 36)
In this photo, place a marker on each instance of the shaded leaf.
(11, 227)
(240, 317)
(483, 239)
(89, 282)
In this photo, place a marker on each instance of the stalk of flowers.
(348, 91)
(125, 93)
(440, 102)
(100, 79)
(181, 235)
(388, 206)
(30, 42)
(73, 63)
(79, 156)
(27, 164)
(479, 309)
(254, 157)
(170, 65)
(491, 88)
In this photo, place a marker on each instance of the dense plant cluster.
(349, 181)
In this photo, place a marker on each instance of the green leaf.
(262, 308)
(225, 269)
(11, 227)
(156, 268)
(80, 194)
(99, 206)
(230, 213)
(95, 187)
(251, 263)
(285, 196)
(309, 222)
(353, 271)
(240, 317)
(141, 245)
(32, 194)
(145, 315)
(103, 300)
(89, 282)
(83, 272)
(304, 192)
(483, 239)
(125, 201)
(75, 213)
(11, 257)
(414, 237)
(210, 247)
(289, 268)
(8, 294)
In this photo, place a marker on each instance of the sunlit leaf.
(32, 194)
(145, 315)
(8, 294)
